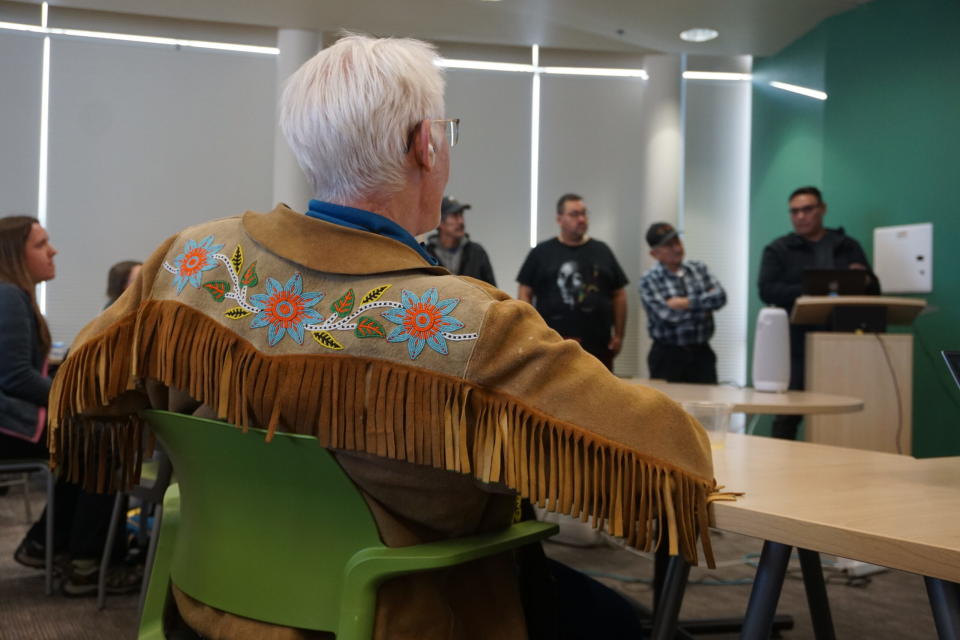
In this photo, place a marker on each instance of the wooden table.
(749, 400)
(881, 508)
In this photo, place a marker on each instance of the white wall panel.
(716, 197)
(592, 143)
(21, 57)
(145, 140)
(490, 167)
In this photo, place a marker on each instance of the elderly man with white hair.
(440, 396)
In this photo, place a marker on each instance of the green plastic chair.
(277, 532)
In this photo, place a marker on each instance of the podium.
(877, 367)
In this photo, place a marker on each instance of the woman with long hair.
(82, 518)
(26, 260)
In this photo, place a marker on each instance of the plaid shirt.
(675, 326)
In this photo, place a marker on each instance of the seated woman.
(82, 518)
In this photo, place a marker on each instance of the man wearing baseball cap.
(679, 298)
(453, 248)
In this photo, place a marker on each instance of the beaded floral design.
(286, 310)
(196, 258)
(423, 321)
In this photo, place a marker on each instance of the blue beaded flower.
(196, 258)
(423, 321)
(285, 309)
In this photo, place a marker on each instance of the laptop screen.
(953, 363)
(833, 282)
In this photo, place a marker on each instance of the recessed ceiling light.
(699, 34)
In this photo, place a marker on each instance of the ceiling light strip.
(449, 63)
(716, 75)
(596, 71)
(44, 145)
(127, 37)
(534, 147)
(803, 91)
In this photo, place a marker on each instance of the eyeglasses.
(452, 129)
(810, 208)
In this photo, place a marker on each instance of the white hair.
(349, 111)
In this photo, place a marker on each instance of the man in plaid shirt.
(679, 298)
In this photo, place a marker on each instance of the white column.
(289, 184)
(663, 177)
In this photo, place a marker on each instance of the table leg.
(661, 560)
(766, 591)
(945, 601)
(668, 608)
(816, 594)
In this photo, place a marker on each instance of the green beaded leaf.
(218, 289)
(369, 328)
(344, 304)
(249, 277)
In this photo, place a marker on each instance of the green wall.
(881, 148)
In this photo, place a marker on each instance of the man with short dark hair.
(576, 284)
(810, 246)
(679, 298)
(453, 248)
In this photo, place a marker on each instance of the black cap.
(449, 205)
(660, 233)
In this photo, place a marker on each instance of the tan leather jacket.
(286, 322)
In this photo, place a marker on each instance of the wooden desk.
(748, 400)
(881, 508)
(816, 309)
(875, 367)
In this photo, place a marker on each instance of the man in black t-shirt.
(577, 285)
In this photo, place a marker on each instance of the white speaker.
(771, 351)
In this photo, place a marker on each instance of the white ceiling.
(755, 27)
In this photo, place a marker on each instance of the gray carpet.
(27, 614)
(890, 605)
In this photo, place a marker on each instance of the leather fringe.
(367, 405)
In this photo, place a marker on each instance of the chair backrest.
(266, 528)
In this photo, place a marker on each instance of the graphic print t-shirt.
(572, 288)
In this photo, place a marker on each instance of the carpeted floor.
(890, 605)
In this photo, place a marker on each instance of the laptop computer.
(838, 282)
(953, 364)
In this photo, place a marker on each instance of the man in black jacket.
(453, 247)
(810, 246)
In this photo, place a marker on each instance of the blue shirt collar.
(363, 220)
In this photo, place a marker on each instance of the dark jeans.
(690, 363)
(561, 603)
(81, 517)
(588, 609)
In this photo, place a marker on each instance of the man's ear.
(424, 151)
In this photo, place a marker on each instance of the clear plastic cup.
(715, 418)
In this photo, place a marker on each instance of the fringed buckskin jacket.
(441, 397)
